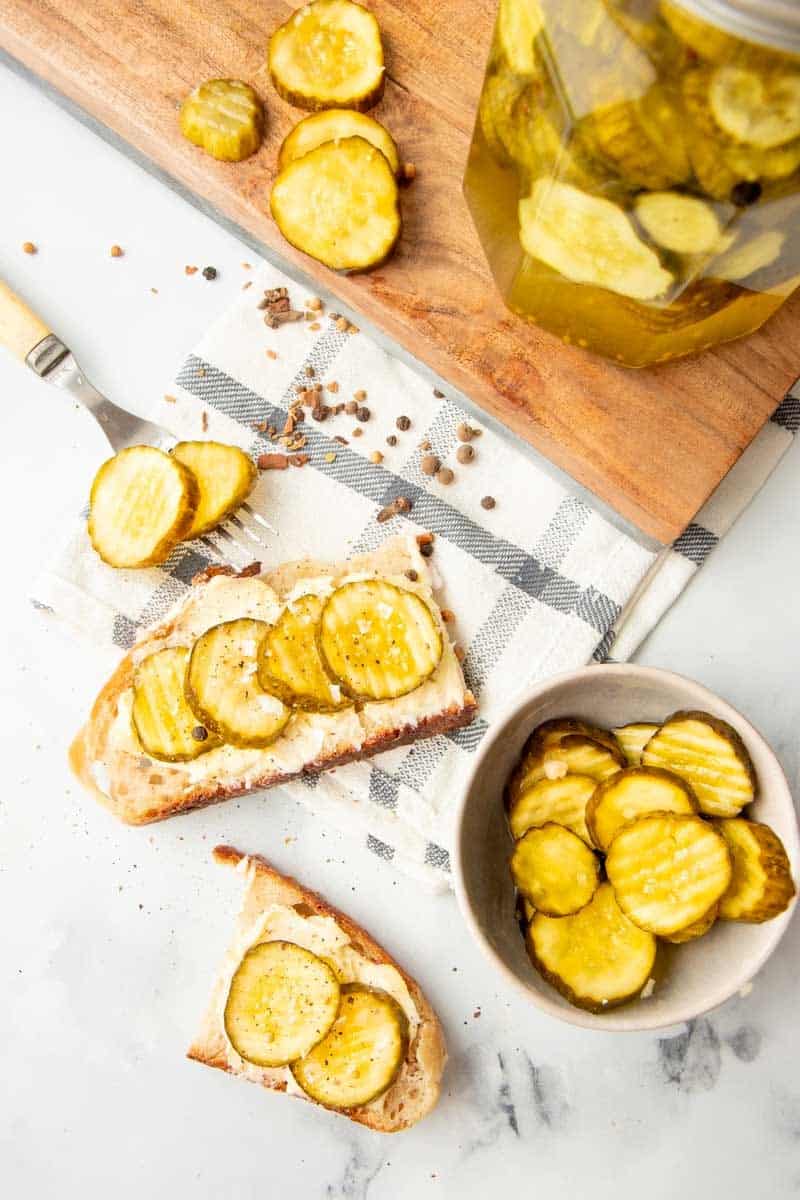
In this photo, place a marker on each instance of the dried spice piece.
(190, 270)
(448, 616)
(360, 395)
(171, 399)
(30, 247)
(465, 453)
(465, 433)
(488, 502)
(409, 172)
(424, 444)
(357, 432)
(351, 408)
(309, 371)
(117, 251)
(315, 304)
(343, 324)
(320, 412)
(330, 457)
(299, 460)
(363, 413)
(271, 354)
(401, 504)
(424, 539)
(391, 440)
(376, 457)
(412, 575)
(314, 326)
(444, 475)
(333, 386)
(209, 272)
(426, 549)
(430, 464)
(439, 395)
(403, 423)
(460, 653)
(200, 733)
(272, 462)
(204, 421)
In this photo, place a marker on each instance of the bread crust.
(416, 1089)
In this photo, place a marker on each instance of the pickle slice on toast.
(762, 886)
(290, 665)
(667, 870)
(633, 738)
(597, 958)
(709, 754)
(378, 640)
(328, 54)
(560, 801)
(222, 685)
(632, 794)
(282, 1001)
(339, 204)
(164, 723)
(225, 476)
(361, 1056)
(555, 870)
(225, 118)
(332, 125)
(141, 505)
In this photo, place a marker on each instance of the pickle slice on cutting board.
(379, 640)
(683, 224)
(762, 886)
(328, 54)
(164, 723)
(361, 1056)
(282, 1001)
(222, 685)
(709, 754)
(225, 118)
(667, 870)
(632, 794)
(633, 738)
(698, 929)
(290, 665)
(560, 801)
(225, 476)
(141, 504)
(589, 240)
(759, 109)
(597, 958)
(339, 203)
(519, 22)
(751, 256)
(333, 124)
(555, 870)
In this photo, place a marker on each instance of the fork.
(28, 338)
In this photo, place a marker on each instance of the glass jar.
(634, 174)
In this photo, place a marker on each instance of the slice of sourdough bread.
(107, 757)
(415, 1090)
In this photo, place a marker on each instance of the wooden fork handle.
(20, 328)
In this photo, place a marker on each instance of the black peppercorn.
(209, 272)
(745, 192)
(199, 733)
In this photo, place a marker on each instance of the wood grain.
(654, 443)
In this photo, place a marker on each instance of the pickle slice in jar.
(633, 738)
(683, 224)
(589, 240)
(762, 886)
(751, 256)
(225, 118)
(225, 475)
(642, 138)
(705, 40)
(163, 721)
(334, 124)
(558, 801)
(555, 870)
(289, 662)
(519, 23)
(709, 754)
(759, 109)
(631, 794)
(328, 54)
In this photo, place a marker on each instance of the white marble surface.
(110, 935)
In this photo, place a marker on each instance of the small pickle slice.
(328, 54)
(163, 721)
(332, 125)
(633, 738)
(698, 929)
(225, 118)
(141, 505)
(222, 685)
(225, 476)
(761, 110)
(597, 958)
(380, 641)
(589, 240)
(572, 754)
(282, 1001)
(339, 204)
(709, 754)
(555, 870)
(632, 794)
(519, 23)
(667, 870)
(751, 256)
(290, 665)
(363, 1053)
(560, 801)
(762, 886)
(683, 224)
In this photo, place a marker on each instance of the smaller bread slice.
(415, 1090)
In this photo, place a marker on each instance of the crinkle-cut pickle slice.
(632, 794)
(762, 885)
(683, 224)
(222, 685)
(555, 870)
(328, 54)
(379, 640)
(698, 929)
(290, 665)
(225, 476)
(589, 240)
(572, 754)
(667, 870)
(561, 801)
(642, 138)
(519, 23)
(335, 124)
(361, 1056)
(707, 41)
(753, 255)
(162, 720)
(758, 108)
(633, 738)
(551, 732)
(225, 118)
(597, 958)
(282, 1001)
(339, 203)
(709, 754)
(141, 505)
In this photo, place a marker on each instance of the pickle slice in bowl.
(633, 738)
(560, 801)
(163, 721)
(328, 54)
(632, 794)
(762, 886)
(709, 754)
(553, 868)
(225, 476)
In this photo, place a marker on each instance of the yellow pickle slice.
(225, 118)
(699, 929)
(633, 738)
(560, 801)
(162, 720)
(225, 476)
(683, 224)
(328, 54)
(555, 870)
(709, 754)
(290, 665)
(335, 124)
(632, 794)
(761, 110)
(762, 886)
(519, 23)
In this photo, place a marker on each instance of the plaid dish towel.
(540, 583)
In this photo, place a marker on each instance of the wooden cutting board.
(654, 443)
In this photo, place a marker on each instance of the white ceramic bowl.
(697, 976)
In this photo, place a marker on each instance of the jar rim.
(774, 23)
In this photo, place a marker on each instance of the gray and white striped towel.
(539, 584)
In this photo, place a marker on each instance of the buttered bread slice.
(256, 679)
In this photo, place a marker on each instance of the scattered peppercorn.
(357, 432)
(209, 272)
(190, 270)
(30, 248)
(320, 412)
(445, 475)
(426, 549)
(351, 407)
(391, 440)
(363, 413)
(403, 423)
(333, 386)
(343, 324)
(271, 354)
(424, 444)
(116, 251)
(465, 433)
(438, 394)
(360, 395)
(315, 304)
(412, 575)
(745, 192)
(465, 453)
(430, 464)
(376, 457)
(488, 502)
(199, 733)
(309, 371)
